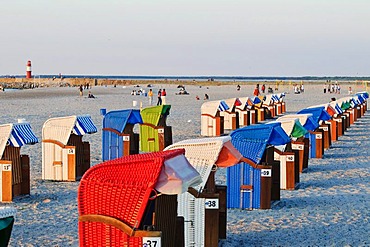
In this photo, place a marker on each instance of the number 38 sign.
(211, 203)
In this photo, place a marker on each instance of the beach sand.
(330, 208)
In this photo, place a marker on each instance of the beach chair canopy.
(306, 120)
(352, 102)
(364, 94)
(204, 153)
(360, 98)
(251, 141)
(231, 103)
(121, 188)
(244, 103)
(119, 119)
(346, 103)
(212, 107)
(292, 127)
(271, 99)
(60, 128)
(281, 97)
(268, 99)
(153, 114)
(16, 135)
(318, 113)
(336, 107)
(328, 107)
(275, 98)
(256, 100)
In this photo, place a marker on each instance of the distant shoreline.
(26, 83)
(202, 78)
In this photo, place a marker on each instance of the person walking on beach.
(263, 88)
(150, 96)
(350, 90)
(163, 96)
(81, 90)
(256, 91)
(159, 102)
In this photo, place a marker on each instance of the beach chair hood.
(328, 107)
(292, 127)
(336, 107)
(256, 100)
(61, 128)
(212, 107)
(360, 98)
(153, 114)
(251, 141)
(244, 102)
(16, 135)
(204, 153)
(271, 99)
(232, 103)
(305, 119)
(318, 113)
(347, 102)
(281, 97)
(119, 119)
(364, 94)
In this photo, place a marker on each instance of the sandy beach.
(330, 208)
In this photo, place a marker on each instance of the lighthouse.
(28, 70)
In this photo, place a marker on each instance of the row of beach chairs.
(170, 198)
(220, 116)
(65, 156)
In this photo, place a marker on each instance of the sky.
(186, 37)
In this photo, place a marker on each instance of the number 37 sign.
(151, 242)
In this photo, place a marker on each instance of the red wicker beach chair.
(113, 199)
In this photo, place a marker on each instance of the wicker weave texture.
(120, 189)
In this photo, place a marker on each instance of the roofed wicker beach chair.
(132, 200)
(256, 183)
(212, 123)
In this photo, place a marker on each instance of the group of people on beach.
(298, 88)
(258, 92)
(333, 88)
(81, 90)
(206, 97)
(161, 96)
(138, 92)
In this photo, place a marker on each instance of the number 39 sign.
(265, 172)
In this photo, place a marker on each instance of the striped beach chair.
(14, 166)
(256, 183)
(212, 123)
